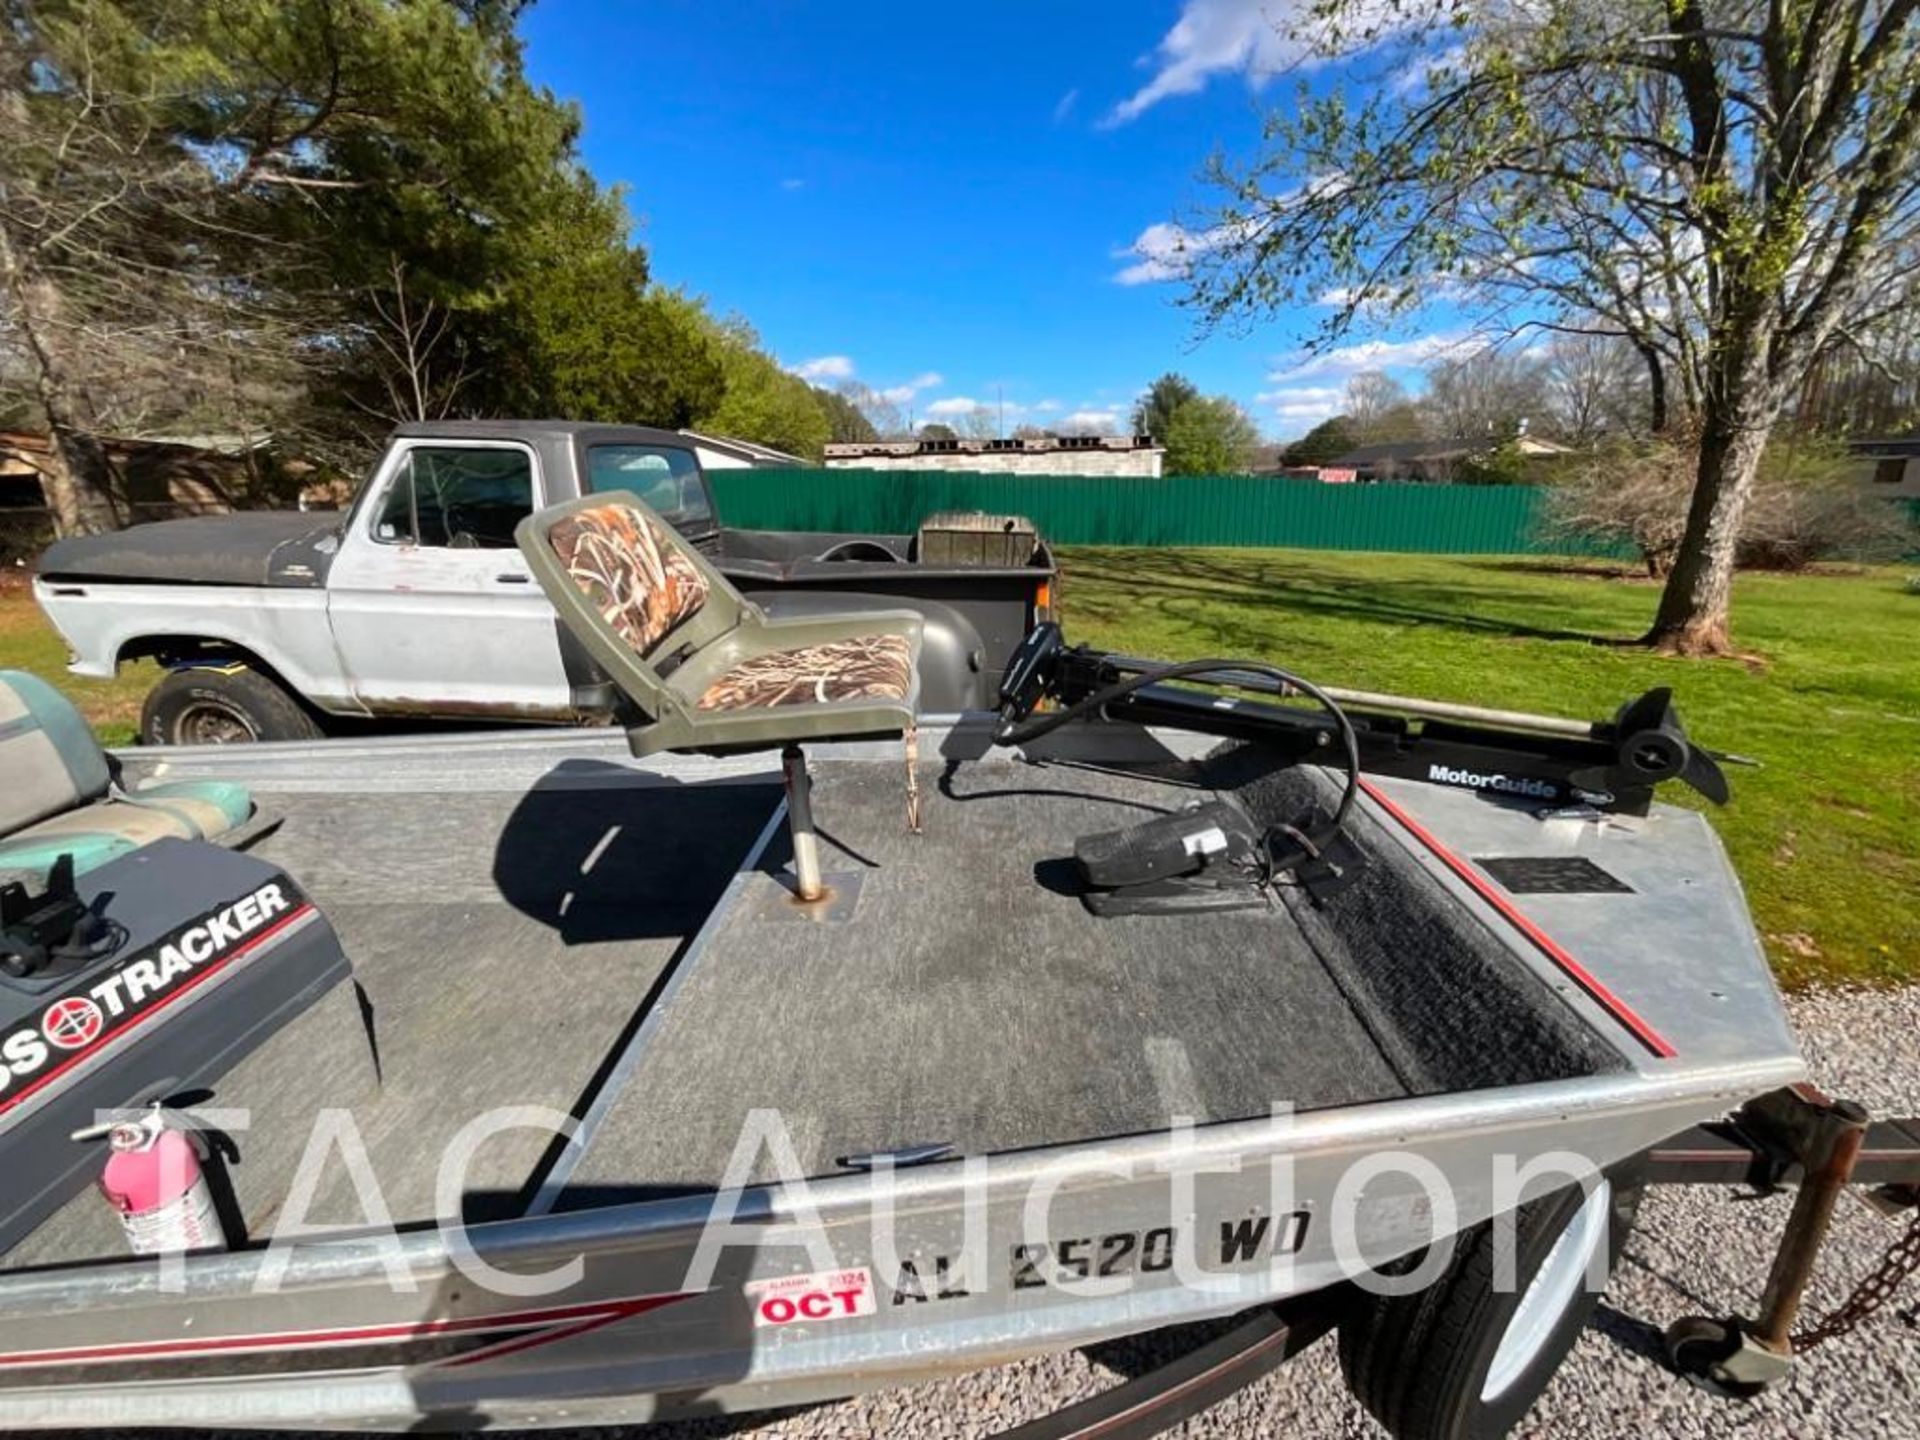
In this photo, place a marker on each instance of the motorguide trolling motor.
(1215, 856)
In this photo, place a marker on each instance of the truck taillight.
(1043, 601)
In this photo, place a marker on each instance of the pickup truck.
(414, 604)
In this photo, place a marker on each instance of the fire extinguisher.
(156, 1184)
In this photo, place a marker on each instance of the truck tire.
(222, 705)
(1463, 1360)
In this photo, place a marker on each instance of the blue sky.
(944, 202)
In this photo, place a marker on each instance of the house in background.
(154, 476)
(1890, 467)
(1436, 461)
(1135, 456)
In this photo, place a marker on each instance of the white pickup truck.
(415, 605)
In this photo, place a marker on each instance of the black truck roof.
(560, 430)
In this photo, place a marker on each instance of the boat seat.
(58, 795)
(702, 668)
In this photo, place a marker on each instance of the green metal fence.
(1188, 510)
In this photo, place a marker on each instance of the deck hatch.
(1552, 875)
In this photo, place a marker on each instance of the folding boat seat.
(704, 669)
(58, 795)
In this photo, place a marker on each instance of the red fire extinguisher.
(156, 1184)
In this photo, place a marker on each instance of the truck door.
(432, 607)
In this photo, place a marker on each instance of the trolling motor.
(1204, 855)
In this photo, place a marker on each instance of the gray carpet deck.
(505, 943)
(507, 946)
(502, 945)
(973, 1000)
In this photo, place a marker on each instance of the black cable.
(1035, 726)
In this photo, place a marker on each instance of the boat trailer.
(1792, 1137)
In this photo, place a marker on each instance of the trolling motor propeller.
(1650, 746)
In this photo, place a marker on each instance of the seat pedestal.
(806, 848)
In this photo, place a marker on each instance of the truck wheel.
(224, 705)
(1463, 1360)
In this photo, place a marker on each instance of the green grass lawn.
(27, 642)
(1826, 836)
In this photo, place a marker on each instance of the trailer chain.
(1896, 1266)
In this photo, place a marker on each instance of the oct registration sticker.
(826, 1295)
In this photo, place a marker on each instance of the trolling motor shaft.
(1612, 765)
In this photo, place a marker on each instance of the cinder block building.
(1136, 456)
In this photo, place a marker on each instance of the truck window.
(666, 477)
(457, 498)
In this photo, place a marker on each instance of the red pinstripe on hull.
(1651, 1038)
(560, 1321)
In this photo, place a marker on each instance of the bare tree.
(1594, 386)
(420, 377)
(888, 420)
(1490, 395)
(1372, 395)
(979, 423)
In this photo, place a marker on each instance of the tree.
(845, 423)
(1329, 440)
(936, 430)
(1372, 397)
(1210, 436)
(97, 196)
(883, 416)
(1594, 386)
(1153, 414)
(759, 400)
(1728, 186)
(1807, 505)
(1486, 395)
(979, 423)
(229, 214)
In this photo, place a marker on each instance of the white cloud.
(1348, 360)
(902, 393)
(1107, 418)
(956, 405)
(792, 184)
(1302, 405)
(1045, 407)
(1257, 37)
(825, 367)
(1411, 78)
(1063, 107)
(1167, 251)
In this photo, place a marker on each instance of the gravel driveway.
(1696, 1250)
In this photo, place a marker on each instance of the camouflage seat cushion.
(633, 574)
(868, 667)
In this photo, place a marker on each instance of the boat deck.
(961, 994)
(504, 944)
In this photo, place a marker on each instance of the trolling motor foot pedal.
(1206, 857)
